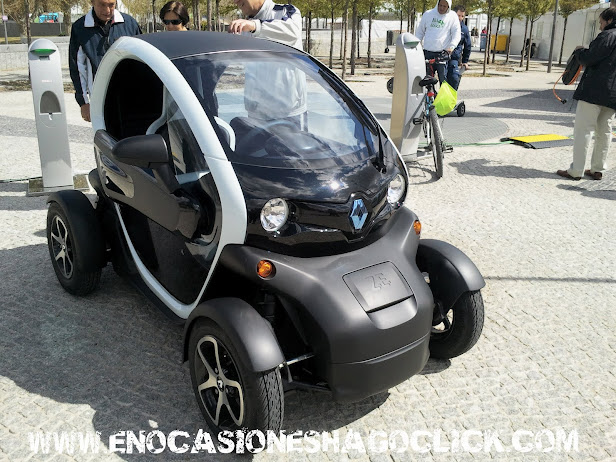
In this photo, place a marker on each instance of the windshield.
(279, 110)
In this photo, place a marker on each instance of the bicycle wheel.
(436, 142)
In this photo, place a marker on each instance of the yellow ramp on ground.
(542, 141)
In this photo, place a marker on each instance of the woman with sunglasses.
(174, 16)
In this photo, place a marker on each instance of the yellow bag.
(446, 99)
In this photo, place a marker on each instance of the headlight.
(395, 190)
(274, 214)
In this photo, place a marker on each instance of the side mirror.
(145, 151)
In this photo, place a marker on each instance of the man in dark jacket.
(596, 95)
(91, 37)
(461, 54)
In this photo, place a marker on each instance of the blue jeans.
(453, 74)
(440, 68)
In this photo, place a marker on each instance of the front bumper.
(366, 314)
(358, 380)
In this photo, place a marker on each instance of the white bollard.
(49, 113)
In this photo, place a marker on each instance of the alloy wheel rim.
(62, 247)
(219, 387)
(445, 326)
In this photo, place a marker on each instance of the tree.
(372, 6)
(534, 9)
(524, 42)
(334, 9)
(511, 12)
(488, 7)
(567, 8)
(354, 38)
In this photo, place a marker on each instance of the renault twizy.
(246, 191)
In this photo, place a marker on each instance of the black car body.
(253, 197)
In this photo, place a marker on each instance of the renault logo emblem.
(358, 215)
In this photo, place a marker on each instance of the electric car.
(245, 190)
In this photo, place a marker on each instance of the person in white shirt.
(273, 91)
(439, 29)
(266, 19)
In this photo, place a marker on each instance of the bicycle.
(429, 119)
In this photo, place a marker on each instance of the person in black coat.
(91, 37)
(461, 54)
(596, 96)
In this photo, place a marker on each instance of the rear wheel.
(75, 243)
(437, 143)
(390, 85)
(460, 327)
(230, 395)
(461, 109)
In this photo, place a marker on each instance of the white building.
(582, 28)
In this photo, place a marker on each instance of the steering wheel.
(256, 131)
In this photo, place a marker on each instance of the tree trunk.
(359, 20)
(308, 25)
(209, 15)
(27, 12)
(369, 34)
(408, 15)
(195, 12)
(413, 16)
(509, 39)
(524, 43)
(342, 28)
(353, 36)
(344, 47)
(530, 44)
(217, 14)
(66, 24)
(562, 44)
(153, 16)
(495, 40)
(331, 41)
(486, 51)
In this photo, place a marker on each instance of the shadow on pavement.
(26, 128)
(20, 202)
(421, 171)
(435, 366)
(485, 167)
(609, 194)
(116, 355)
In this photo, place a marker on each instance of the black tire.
(436, 140)
(390, 85)
(387, 50)
(75, 244)
(462, 328)
(252, 400)
(461, 110)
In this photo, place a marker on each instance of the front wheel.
(230, 395)
(460, 327)
(436, 142)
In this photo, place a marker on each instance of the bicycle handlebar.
(443, 57)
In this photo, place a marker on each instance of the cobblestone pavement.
(110, 362)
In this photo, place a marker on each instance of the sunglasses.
(175, 22)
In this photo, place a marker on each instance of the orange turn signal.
(417, 227)
(265, 269)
